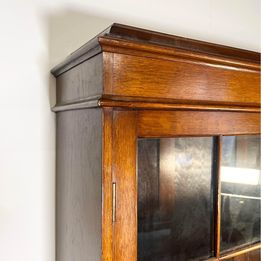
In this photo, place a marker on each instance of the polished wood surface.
(117, 32)
(81, 82)
(144, 69)
(78, 185)
(108, 101)
(107, 229)
(130, 47)
(124, 175)
(183, 80)
(193, 123)
(169, 104)
(251, 253)
(251, 256)
(148, 36)
(128, 83)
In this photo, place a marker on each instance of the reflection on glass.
(240, 191)
(175, 199)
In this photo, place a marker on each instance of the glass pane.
(175, 199)
(240, 191)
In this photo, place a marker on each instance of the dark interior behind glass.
(175, 198)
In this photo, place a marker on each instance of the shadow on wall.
(67, 31)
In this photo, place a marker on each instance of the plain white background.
(37, 34)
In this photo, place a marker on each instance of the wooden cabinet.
(158, 150)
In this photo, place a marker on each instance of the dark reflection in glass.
(240, 191)
(175, 199)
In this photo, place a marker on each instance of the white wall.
(35, 35)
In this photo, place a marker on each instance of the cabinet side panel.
(78, 185)
(81, 82)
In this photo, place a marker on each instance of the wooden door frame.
(124, 176)
(122, 129)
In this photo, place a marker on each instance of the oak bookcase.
(158, 154)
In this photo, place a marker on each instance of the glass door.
(178, 184)
(185, 185)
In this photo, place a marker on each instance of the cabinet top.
(119, 32)
(135, 68)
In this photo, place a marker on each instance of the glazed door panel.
(169, 190)
(176, 198)
(240, 191)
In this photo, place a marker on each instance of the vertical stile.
(107, 228)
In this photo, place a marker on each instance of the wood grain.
(108, 63)
(196, 123)
(81, 82)
(146, 103)
(251, 253)
(121, 31)
(109, 101)
(162, 67)
(124, 175)
(148, 84)
(78, 185)
(107, 230)
(183, 80)
(130, 47)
